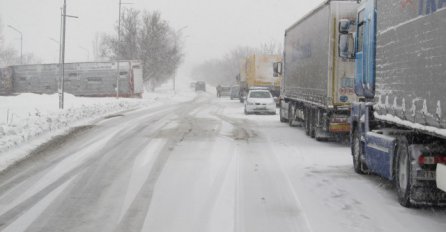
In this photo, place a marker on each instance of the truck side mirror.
(346, 43)
(343, 46)
(344, 26)
(277, 69)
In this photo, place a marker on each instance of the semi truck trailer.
(256, 71)
(398, 122)
(317, 86)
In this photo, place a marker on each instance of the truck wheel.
(312, 123)
(358, 152)
(290, 115)
(282, 119)
(307, 121)
(403, 173)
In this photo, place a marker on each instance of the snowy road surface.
(199, 166)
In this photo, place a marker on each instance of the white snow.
(417, 126)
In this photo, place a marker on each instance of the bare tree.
(128, 48)
(147, 37)
(270, 48)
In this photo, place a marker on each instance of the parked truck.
(317, 86)
(256, 71)
(398, 121)
(94, 79)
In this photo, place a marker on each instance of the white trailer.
(317, 87)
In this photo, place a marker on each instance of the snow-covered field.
(29, 120)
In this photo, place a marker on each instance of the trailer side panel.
(411, 62)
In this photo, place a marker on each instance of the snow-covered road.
(199, 166)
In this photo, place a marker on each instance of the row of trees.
(147, 37)
(224, 70)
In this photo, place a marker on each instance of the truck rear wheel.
(312, 120)
(358, 152)
(291, 115)
(282, 119)
(307, 121)
(403, 173)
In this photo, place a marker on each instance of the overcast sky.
(213, 27)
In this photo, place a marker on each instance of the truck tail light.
(430, 160)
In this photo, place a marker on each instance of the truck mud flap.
(380, 150)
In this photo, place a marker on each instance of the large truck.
(256, 71)
(94, 79)
(398, 121)
(317, 86)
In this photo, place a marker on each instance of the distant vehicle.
(317, 87)
(398, 123)
(88, 79)
(225, 91)
(200, 86)
(260, 101)
(235, 92)
(256, 71)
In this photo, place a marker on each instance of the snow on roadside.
(29, 120)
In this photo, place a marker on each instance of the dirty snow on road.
(199, 165)
(28, 120)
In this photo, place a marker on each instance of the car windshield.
(260, 94)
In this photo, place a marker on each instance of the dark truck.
(200, 86)
(398, 120)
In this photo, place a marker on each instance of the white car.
(260, 101)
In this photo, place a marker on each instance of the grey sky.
(213, 26)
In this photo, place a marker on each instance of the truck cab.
(383, 140)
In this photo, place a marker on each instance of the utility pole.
(64, 23)
(119, 51)
(119, 47)
(62, 54)
(21, 42)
